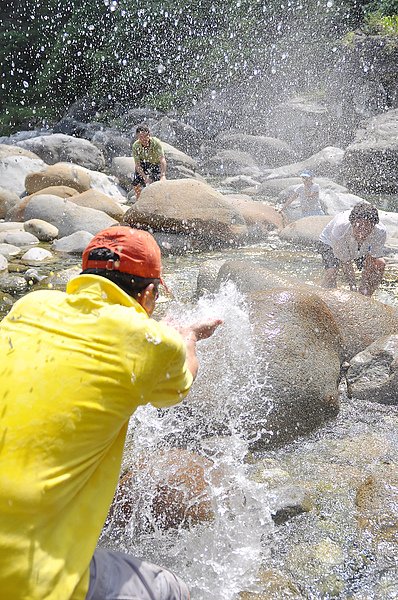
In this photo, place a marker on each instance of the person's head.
(363, 218)
(306, 177)
(128, 257)
(143, 134)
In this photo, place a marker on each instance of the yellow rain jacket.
(74, 367)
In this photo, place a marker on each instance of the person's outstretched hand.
(202, 329)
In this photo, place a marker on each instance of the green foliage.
(377, 24)
(158, 52)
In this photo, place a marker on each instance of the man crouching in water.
(354, 237)
(75, 367)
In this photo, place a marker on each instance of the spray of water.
(221, 556)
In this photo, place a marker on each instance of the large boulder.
(373, 373)
(67, 216)
(360, 320)
(256, 213)
(370, 163)
(8, 200)
(13, 150)
(60, 174)
(266, 151)
(167, 491)
(178, 162)
(99, 201)
(230, 162)
(280, 187)
(305, 231)
(325, 163)
(74, 176)
(305, 123)
(14, 169)
(65, 148)
(178, 135)
(189, 207)
(298, 348)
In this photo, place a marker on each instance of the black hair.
(364, 211)
(133, 285)
(142, 128)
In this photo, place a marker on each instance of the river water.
(343, 545)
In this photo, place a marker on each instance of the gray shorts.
(117, 576)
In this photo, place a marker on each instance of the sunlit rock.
(18, 238)
(178, 134)
(7, 150)
(36, 255)
(266, 151)
(8, 199)
(76, 177)
(58, 174)
(11, 226)
(373, 373)
(9, 250)
(370, 163)
(188, 207)
(74, 243)
(99, 201)
(176, 158)
(256, 214)
(63, 191)
(3, 262)
(360, 320)
(67, 216)
(165, 491)
(44, 231)
(305, 230)
(231, 162)
(123, 167)
(65, 148)
(280, 187)
(325, 163)
(14, 170)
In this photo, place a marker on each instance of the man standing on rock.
(75, 366)
(150, 162)
(354, 238)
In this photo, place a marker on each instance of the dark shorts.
(118, 576)
(331, 262)
(153, 171)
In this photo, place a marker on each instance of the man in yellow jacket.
(75, 366)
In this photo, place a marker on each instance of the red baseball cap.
(138, 251)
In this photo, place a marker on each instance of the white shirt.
(339, 235)
(309, 199)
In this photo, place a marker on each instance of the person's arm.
(191, 334)
(293, 196)
(349, 273)
(163, 167)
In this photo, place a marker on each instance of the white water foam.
(222, 557)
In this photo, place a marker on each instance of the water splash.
(220, 558)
